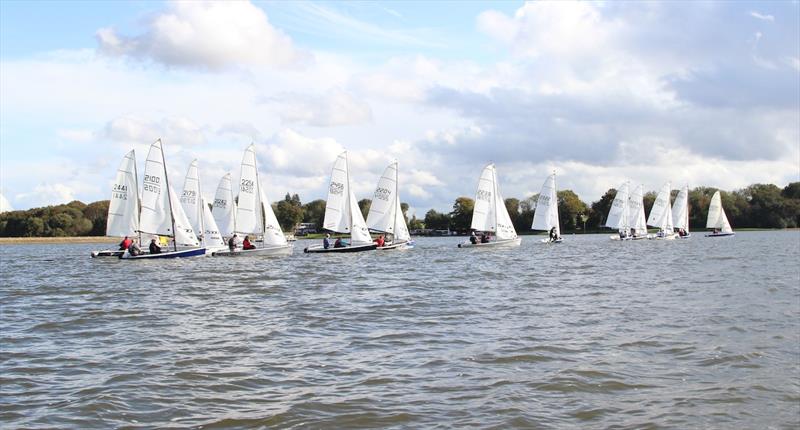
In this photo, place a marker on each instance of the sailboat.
(636, 218)
(385, 213)
(717, 218)
(490, 213)
(546, 215)
(619, 213)
(224, 208)
(680, 213)
(161, 214)
(661, 215)
(254, 214)
(342, 214)
(197, 210)
(123, 208)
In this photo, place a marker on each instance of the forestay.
(123, 208)
(636, 210)
(716, 215)
(545, 217)
(680, 209)
(159, 215)
(618, 214)
(224, 210)
(661, 214)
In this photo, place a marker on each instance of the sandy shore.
(57, 240)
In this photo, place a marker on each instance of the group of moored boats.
(627, 215)
(194, 229)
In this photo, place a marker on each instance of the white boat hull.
(506, 243)
(720, 234)
(107, 253)
(277, 250)
(398, 246)
(559, 240)
(671, 236)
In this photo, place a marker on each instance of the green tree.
(364, 205)
(569, 207)
(461, 216)
(599, 210)
(416, 223)
(314, 212)
(512, 206)
(436, 221)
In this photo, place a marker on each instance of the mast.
(496, 195)
(555, 191)
(138, 200)
(169, 198)
(201, 209)
(397, 200)
(262, 216)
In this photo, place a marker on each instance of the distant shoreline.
(57, 240)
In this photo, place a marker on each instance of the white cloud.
(334, 108)
(132, 130)
(207, 34)
(5, 206)
(46, 194)
(762, 17)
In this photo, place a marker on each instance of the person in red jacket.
(125, 244)
(246, 244)
(380, 241)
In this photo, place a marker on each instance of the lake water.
(591, 333)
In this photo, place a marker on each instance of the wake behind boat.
(342, 214)
(490, 215)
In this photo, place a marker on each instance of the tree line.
(756, 206)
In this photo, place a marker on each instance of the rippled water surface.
(591, 333)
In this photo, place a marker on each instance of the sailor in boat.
(553, 235)
(232, 243)
(134, 249)
(326, 242)
(473, 239)
(125, 244)
(246, 244)
(339, 243)
(484, 238)
(154, 248)
(380, 241)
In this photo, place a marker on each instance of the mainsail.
(211, 234)
(248, 213)
(385, 213)
(618, 214)
(546, 215)
(190, 198)
(342, 213)
(716, 215)
(224, 209)
(680, 209)
(161, 213)
(490, 213)
(123, 209)
(661, 214)
(636, 216)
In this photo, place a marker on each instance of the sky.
(696, 93)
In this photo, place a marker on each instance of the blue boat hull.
(195, 252)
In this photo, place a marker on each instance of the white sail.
(484, 215)
(337, 212)
(661, 214)
(680, 209)
(273, 234)
(386, 213)
(716, 215)
(249, 219)
(190, 198)
(211, 234)
(490, 213)
(618, 214)
(359, 232)
(382, 211)
(224, 209)
(401, 233)
(636, 216)
(159, 214)
(546, 215)
(123, 208)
